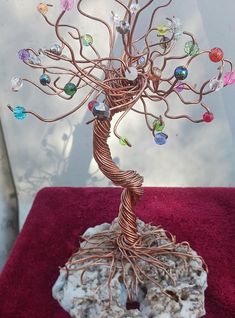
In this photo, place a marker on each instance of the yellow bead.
(162, 30)
(42, 8)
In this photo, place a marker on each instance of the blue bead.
(181, 73)
(160, 138)
(44, 79)
(19, 112)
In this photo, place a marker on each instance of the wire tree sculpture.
(135, 76)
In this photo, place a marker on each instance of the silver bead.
(56, 49)
(101, 110)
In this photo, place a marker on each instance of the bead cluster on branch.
(138, 75)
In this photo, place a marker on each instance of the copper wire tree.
(138, 75)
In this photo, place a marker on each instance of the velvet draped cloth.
(205, 217)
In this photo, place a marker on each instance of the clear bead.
(216, 84)
(134, 7)
(16, 84)
(35, 60)
(116, 20)
(176, 27)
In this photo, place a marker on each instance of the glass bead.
(122, 141)
(179, 87)
(181, 73)
(70, 89)
(44, 79)
(176, 27)
(131, 74)
(165, 42)
(162, 30)
(42, 8)
(116, 19)
(66, 5)
(216, 55)
(134, 7)
(24, 55)
(229, 78)
(91, 104)
(101, 110)
(87, 40)
(160, 138)
(216, 85)
(19, 112)
(56, 49)
(191, 49)
(123, 27)
(16, 84)
(208, 117)
(35, 60)
(158, 125)
(155, 74)
(142, 60)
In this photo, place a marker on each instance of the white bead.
(131, 74)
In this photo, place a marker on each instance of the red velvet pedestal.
(204, 217)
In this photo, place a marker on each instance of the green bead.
(123, 141)
(158, 125)
(87, 40)
(70, 89)
(191, 49)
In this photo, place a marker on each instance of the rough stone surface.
(86, 301)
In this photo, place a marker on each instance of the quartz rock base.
(89, 301)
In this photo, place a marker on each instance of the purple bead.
(66, 5)
(24, 55)
(179, 87)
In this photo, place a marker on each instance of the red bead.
(208, 117)
(216, 55)
(91, 104)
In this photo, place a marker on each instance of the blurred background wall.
(60, 154)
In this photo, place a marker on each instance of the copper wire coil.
(130, 180)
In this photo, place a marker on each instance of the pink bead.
(66, 4)
(229, 78)
(91, 104)
(208, 117)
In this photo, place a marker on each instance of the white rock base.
(85, 301)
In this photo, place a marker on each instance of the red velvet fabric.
(204, 217)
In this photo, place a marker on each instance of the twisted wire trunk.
(130, 180)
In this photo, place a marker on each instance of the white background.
(60, 154)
